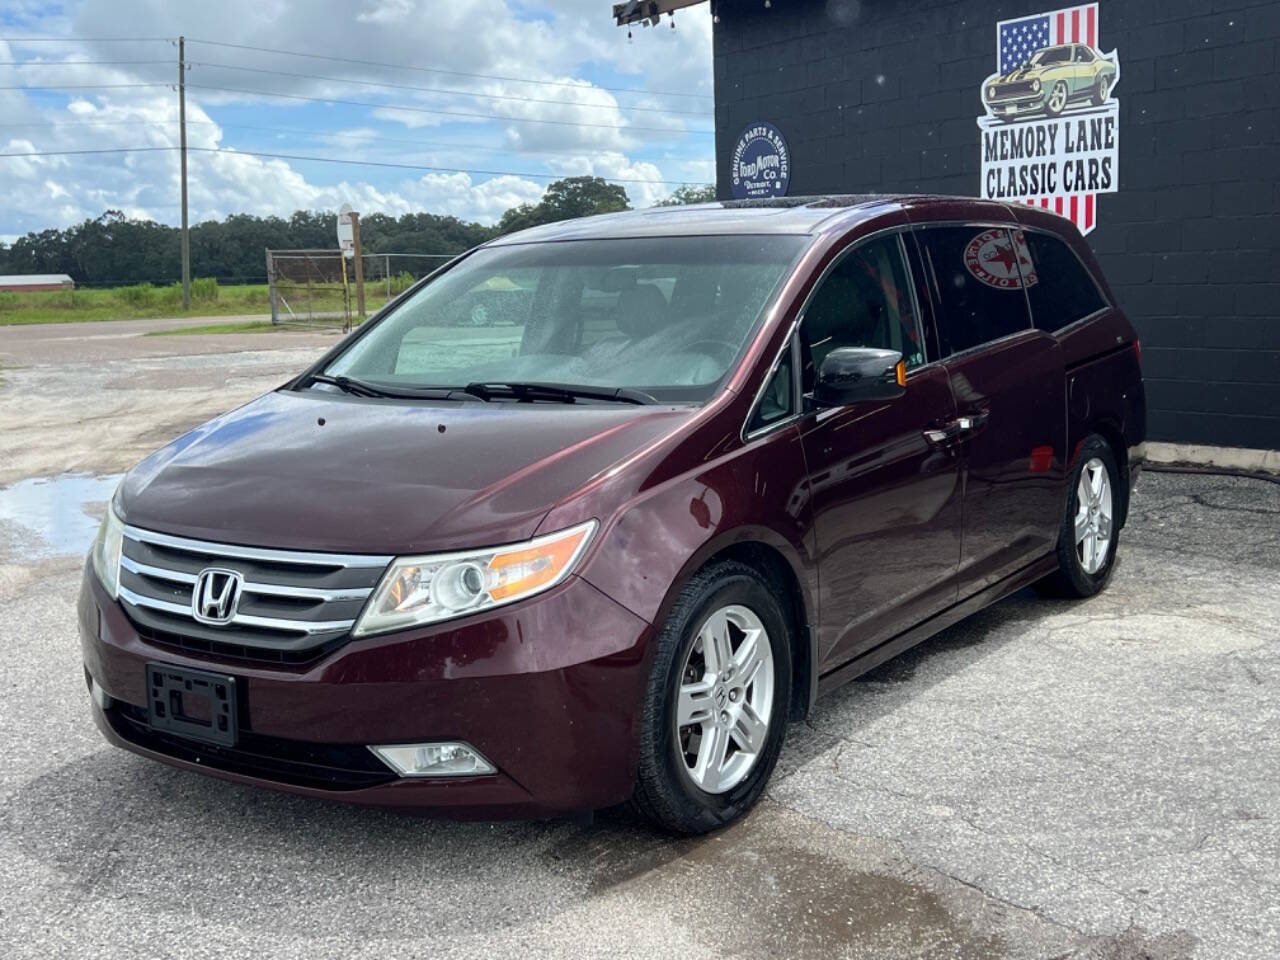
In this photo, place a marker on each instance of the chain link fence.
(317, 288)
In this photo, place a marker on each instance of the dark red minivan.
(587, 516)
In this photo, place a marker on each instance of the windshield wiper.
(532, 390)
(363, 388)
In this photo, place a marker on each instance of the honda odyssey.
(708, 464)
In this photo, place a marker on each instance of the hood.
(318, 471)
(1024, 72)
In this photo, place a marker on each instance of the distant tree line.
(112, 249)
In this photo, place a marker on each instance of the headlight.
(991, 91)
(421, 590)
(106, 551)
(1035, 86)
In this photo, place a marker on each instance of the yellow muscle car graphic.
(1053, 79)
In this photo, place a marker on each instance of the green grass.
(143, 301)
(131, 303)
(251, 326)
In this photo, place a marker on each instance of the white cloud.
(388, 11)
(566, 42)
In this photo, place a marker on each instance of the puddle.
(62, 512)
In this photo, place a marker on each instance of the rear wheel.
(1099, 95)
(717, 703)
(1090, 529)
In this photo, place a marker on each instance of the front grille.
(293, 605)
(324, 766)
(1013, 88)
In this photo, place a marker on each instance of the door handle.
(945, 433)
(940, 436)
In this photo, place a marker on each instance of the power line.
(435, 112)
(365, 103)
(365, 83)
(454, 73)
(86, 39)
(358, 163)
(88, 86)
(362, 137)
(465, 93)
(77, 63)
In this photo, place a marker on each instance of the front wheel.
(717, 702)
(1057, 101)
(1090, 529)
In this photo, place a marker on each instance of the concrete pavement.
(1045, 780)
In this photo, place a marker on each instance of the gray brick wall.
(882, 95)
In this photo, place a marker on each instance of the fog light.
(434, 760)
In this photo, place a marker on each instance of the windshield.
(1052, 55)
(665, 315)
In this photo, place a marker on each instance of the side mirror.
(860, 375)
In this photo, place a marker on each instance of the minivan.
(710, 463)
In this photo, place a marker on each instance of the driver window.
(865, 301)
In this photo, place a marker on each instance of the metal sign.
(1051, 132)
(346, 233)
(761, 163)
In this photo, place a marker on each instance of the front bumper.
(1018, 104)
(549, 690)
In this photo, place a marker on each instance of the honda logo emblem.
(216, 594)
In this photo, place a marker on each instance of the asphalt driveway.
(1044, 780)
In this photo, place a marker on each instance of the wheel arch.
(1110, 431)
(770, 562)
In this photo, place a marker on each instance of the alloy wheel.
(1093, 516)
(1058, 97)
(725, 699)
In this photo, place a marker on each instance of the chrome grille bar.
(240, 619)
(290, 601)
(255, 553)
(261, 589)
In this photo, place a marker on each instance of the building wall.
(34, 287)
(884, 95)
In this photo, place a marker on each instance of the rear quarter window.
(1059, 286)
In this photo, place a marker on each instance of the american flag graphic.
(1016, 42)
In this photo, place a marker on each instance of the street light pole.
(182, 136)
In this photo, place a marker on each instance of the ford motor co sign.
(1051, 133)
(761, 163)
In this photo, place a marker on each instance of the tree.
(566, 199)
(688, 194)
(582, 197)
(113, 249)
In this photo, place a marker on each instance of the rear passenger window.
(1061, 289)
(974, 272)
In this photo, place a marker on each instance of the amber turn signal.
(901, 370)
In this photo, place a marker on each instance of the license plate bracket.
(192, 704)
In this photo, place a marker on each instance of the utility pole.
(182, 134)
(359, 264)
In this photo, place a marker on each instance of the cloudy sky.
(501, 96)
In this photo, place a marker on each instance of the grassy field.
(144, 300)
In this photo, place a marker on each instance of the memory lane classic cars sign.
(1051, 133)
(761, 163)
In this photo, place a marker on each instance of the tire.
(1099, 95)
(1081, 573)
(666, 792)
(1059, 93)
